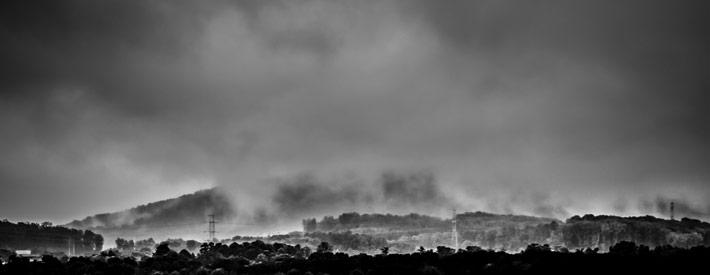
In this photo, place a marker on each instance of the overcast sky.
(536, 107)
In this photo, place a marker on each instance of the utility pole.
(211, 227)
(454, 232)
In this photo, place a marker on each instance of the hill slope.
(184, 214)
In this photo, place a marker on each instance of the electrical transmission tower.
(454, 232)
(71, 247)
(672, 209)
(211, 227)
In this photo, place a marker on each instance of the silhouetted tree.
(537, 248)
(123, 244)
(444, 251)
(624, 248)
(324, 247)
(192, 245)
(162, 249)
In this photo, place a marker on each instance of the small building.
(28, 254)
(23, 253)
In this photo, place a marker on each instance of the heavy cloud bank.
(551, 108)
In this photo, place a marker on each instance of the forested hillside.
(190, 207)
(183, 216)
(515, 232)
(604, 231)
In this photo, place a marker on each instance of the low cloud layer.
(307, 195)
(548, 107)
(412, 190)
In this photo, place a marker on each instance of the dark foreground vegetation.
(261, 258)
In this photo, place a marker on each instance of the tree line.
(45, 237)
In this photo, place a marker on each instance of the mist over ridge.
(297, 199)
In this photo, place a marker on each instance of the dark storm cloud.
(623, 85)
(577, 101)
(658, 49)
(74, 75)
(79, 40)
